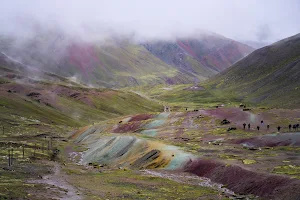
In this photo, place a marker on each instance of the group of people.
(268, 126)
(295, 127)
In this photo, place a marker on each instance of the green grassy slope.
(186, 95)
(39, 105)
(269, 76)
(127, 64)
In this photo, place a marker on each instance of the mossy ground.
(128, 184)
(25, 121)
(13, 179)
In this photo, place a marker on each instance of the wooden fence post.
(12, 156)
(9, 157)
(23, 151)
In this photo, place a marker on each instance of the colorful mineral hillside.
(160, 100)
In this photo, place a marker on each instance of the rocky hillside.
(208, 54)
(269, 76)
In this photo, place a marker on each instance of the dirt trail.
(62, 190)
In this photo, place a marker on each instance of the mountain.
(208, 54)
(115, 62)
(110, 63)
(47, 101)
(268, 76)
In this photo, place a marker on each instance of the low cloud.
(156, 19)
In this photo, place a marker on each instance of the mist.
(259, 21)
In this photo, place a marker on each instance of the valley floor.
(187, 154)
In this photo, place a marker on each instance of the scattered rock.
(231, 128)
(246, 109)
(75, 95)
(33, 94)
(225, 121)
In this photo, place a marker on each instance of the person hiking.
(295, 127)
(244, 124)
(268, 126)
(258, 128)
(262, 122)
(249, 126)
(278, 128)
(290, 126)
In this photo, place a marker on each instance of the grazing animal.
(268, 126)
(290, 126)
(258, 128)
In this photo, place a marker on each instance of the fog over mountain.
(258, 21)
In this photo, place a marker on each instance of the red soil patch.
(244, 181)
(49, 94)
(140, 117)
(129, 127)
(79, 132)
(84, 57)
(187, 48)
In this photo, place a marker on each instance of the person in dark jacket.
(278, 128)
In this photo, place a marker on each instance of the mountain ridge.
(118, 62)
(268, 76)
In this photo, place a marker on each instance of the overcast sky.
(255, 20)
